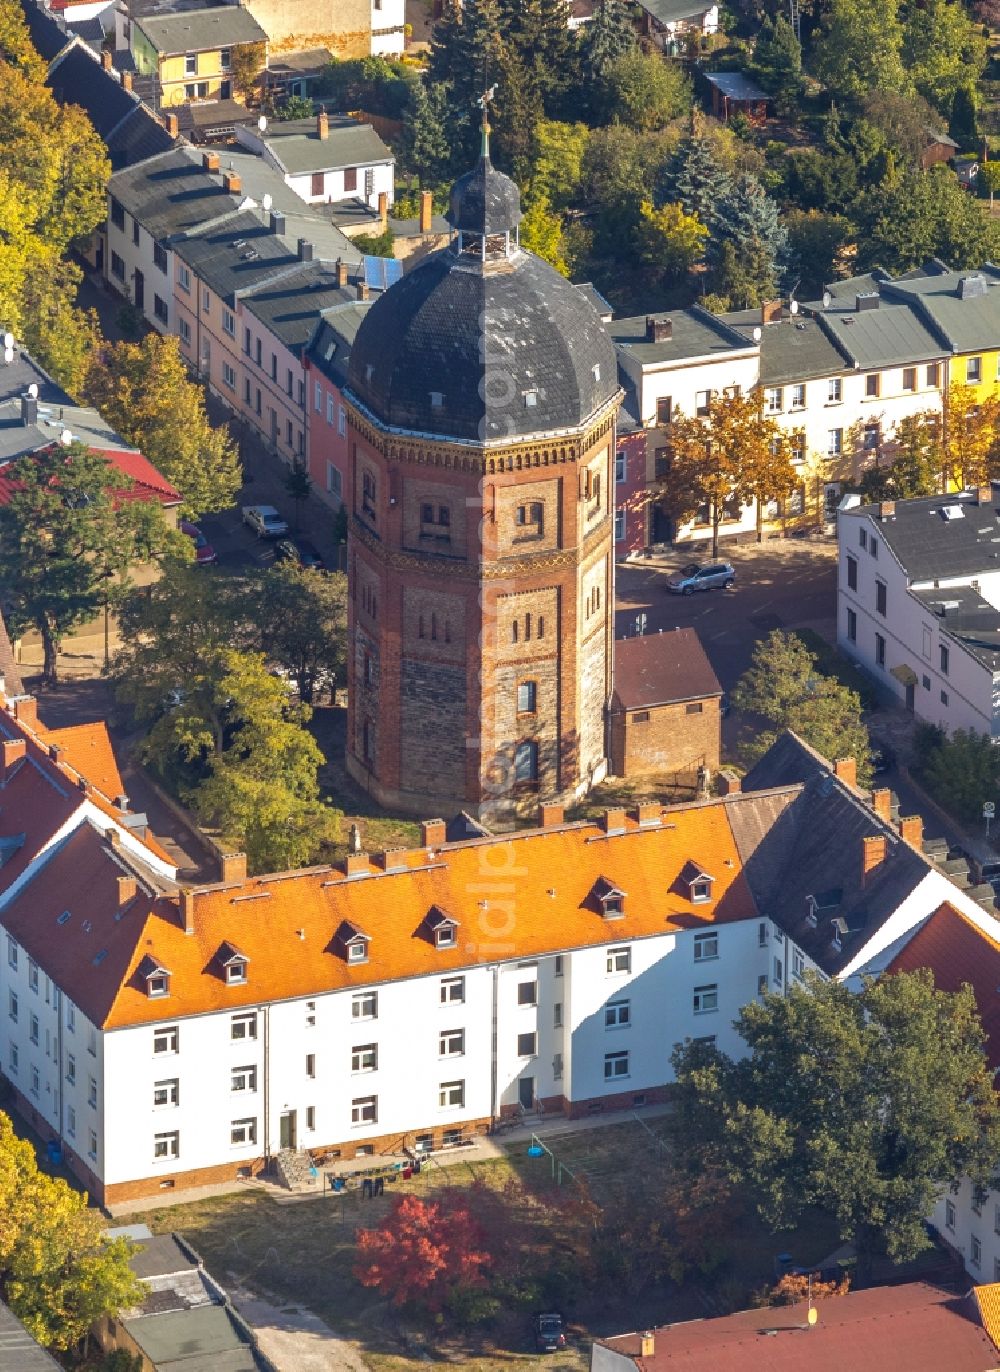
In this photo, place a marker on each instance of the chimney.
(305, 250)
(233, 867)
(728, 782)
(614, 821)
(433, 832)
(232, 183)
(383, 210)
(14, 751)
(322, 125)
(882, 803)
(114, 838)
(26, 710)
(187, 909)
(171, 124)
(121, 803)
(984, 496)
(341, 273)
(648, 1343)
(658, 330)
(277, 222)
(126, 81)
(550, 815)
(886, 510)
(55, 752)
(127, 888)
(868, 301)
(846, 769)
(356, 863)
(210, 161)
(392, 860)
(911, 830)
(874, 848)
(648, 813)
(426, 210)
(770, 311)
(106, 61)
(363, 290)
(29, 410)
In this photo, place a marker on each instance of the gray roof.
(313, 222)
(802, 838)
(674, 11)
(694, 333)
(484, 201)
(893, 334)
(223, 26)
(130, 129)
(451, 328)
(601, 306)
(969, 618)
(56, 412)
(203, 1339)
(237, 254)
(47, 31)
(793, 348)
(966, 325)
(160, 1255)
(291, 306)
(172, 193)
(330, 349)
(932, 547)
(18, 1350)
(298, 63)
(296, 144)
(735, 85)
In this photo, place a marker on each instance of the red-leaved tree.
(424, 1251)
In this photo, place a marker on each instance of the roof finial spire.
(484, 102)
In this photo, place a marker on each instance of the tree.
(541, 232)
(783, 686)
(915, 215)
(818, 246)
(298, 486)
(609, 36)
(669, 240)
(425, 132)
(64, 532)
(58, 1270)
(424, 1250)
(618, 170)
(645, 92)
(859, 49)
(963, 124)
(557, 162)
(262, 789)
(914, 465)
(247, 61)
(905, 121)
(296, 107)
(300, 619)
(144, 392)
(866, 1103)
(989, 178)
(971, 424)
(765, 455)
(694, 179)
(943, 51)
(960, 770)
(777, 63)
(748, 241)
(466, 52)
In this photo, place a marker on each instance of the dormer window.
(234, 964)
(441, 927)
(702, 889)
(154, 977)
(699, 883)
(236, 972)
(610, 897)
(352, 941)
(445, 936)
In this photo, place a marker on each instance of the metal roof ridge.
(826, 327)
(727, 331)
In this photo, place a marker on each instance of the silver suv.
(713, 576)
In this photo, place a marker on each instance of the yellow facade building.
(191, 52)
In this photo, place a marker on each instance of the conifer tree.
(425, 132)
(609, 36)
(694, 180)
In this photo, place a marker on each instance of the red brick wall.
(671, 743)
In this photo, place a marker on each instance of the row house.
(326, 361)
(327, 159)
(171, 1035)
(189, 53)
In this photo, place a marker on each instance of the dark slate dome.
(481, 342)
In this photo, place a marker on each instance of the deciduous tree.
(300, 621)
(860, 49)
(969, 436)
(247, 61)
(915, 215)
(424, 1250)
(943, 51)
(669, 240)
(913, 465)
(541, 232)
(644, 92)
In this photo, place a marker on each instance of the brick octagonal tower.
(482, 397)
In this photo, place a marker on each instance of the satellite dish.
(262, 123)
(66, 438)
(827, 297)
(794, 307)
(33, 390)
(267, 202)
(8, 340)
(8, 355)
(757, 334)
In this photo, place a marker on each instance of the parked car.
(299, 550)
(712, 576)
(549, 1333)
(265, 521)
(204, 553)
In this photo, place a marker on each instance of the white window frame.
(364, 1005)
(706, 946)
(619, 961)
(243, 1078)
(246, 1023)
(618, 1014)
(243, 1133)
(452, 990)
(705, 999)
(170, 1089)
(451, 1095)
(616, 1065)
(166, 1040)
(364, 1058)
(167, 1145)
(451, 1043)
(364, 1110)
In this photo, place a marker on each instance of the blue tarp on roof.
(382, 272)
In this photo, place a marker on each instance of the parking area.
(787, 584)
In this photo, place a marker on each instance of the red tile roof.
(659, 668)
(87, 748)
(959, 954)
(915, 1327)
(148, 483)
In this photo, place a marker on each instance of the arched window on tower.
(526, 762)
(513, 631)
(527, 628)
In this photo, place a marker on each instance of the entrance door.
(226, 90)
(288, 1133)
(526, 1093)
(910, 694)
(140, 291)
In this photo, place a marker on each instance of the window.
(311, 1117)
(290, 432)
(909, 378)
(617, 1014)
(206, 301)
(880, 597)
(932, 374)
(236, 972)
(12, 1058)
(92, 1093)
(943, 655)
(184, 330)
(763, 934)
(33, 975)
(996, 1219)
(71, 1069)
(527, 993)
(526, 761)
(92, 1145)
(944, 698)
(350, 179)
(834, 442)
(526, 696)
(33, 1028)
(852, 573)
(873, 547)
(619, 466)
(242, 1132)
(70, 1018)
(527, 1045)
(872, 384)
(117, 213)
(228, 378)
(229, 322)
(445, 936)
(834, 390)
(619, 525)
(452, 990)
(798, 397)
(779, 971)
(619, 960)
(557, 1015)
(166, 1093)
(34, 1081)
(243, 1026)
(451, 1043)
(879, 651)
(117, 267)
(615, 1065)
(225, 59)
(364, 1005)
(191, 64)
(364, 1110)
(798, 964)
(364, 1058)
(664, 405)
(243, 1078)
(368, 492)
(451, 1094)
(925, 681)
(702, 402)
(530, 518)
(975, 1250)
(701, 890)
(92, 1042)
(358, 950)
(978, 1198)
(71, 1122)
(871, 436)
(558, 969)
(557, 1066)
(773, 399)
(706, 946)
(167, 1145)
(974, 370)
(706, 999)
(274, 366)
(13, 1006)
(341, 420)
